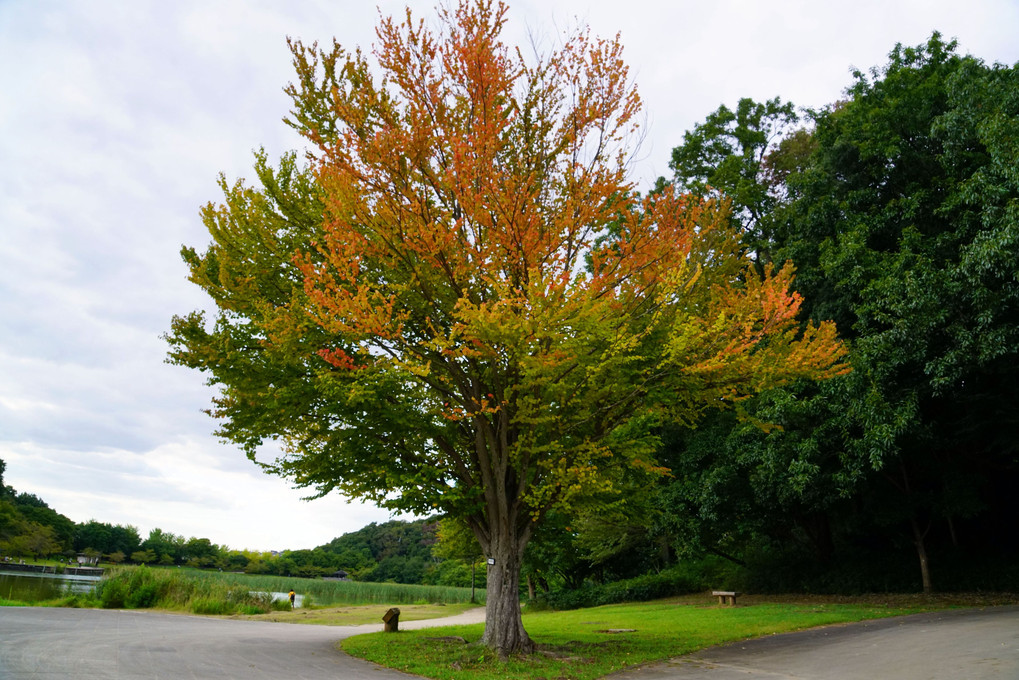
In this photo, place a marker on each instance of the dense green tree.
(899, 209)
(455, 542)
(906, 206)
(12, 524)
(310, 563)
(392, 551)
(36, 510)
(31, 540)
(200, 552)
(235, 560)
(95, 535)
(727, 155)
(28, 526)
(168, 547)
(144, 557)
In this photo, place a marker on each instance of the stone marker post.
(392, 620)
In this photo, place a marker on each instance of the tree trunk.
(919, 537)
(921, 551)
(504, 630)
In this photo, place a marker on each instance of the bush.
(112, 594)
(212, 606)
(143, 597)
(280, 605)
(677, 581)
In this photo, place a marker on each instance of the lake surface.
(29, 587)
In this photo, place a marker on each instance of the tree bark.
(504, 630)
(919, 539)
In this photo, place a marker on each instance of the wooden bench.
(726, 597)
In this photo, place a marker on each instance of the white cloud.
(187, 488)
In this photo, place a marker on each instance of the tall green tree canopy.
(463, 308)
(727, 155)
(902, 219)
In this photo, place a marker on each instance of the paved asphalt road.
(974, 644)
(45, 644)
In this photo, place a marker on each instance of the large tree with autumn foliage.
(459, 305)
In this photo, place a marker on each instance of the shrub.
(143, 597)
(211, 606)
(280, 605)
(112, 593)
(687, 578)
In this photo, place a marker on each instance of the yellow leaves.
(746, 338)
(481, 241)
(571, 475)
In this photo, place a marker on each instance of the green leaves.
(731, 154)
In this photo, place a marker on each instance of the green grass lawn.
(589, 643)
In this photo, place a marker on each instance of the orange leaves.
(481, 242)
(477, 163)
(338, 358)
(465, 178)
(745, 337)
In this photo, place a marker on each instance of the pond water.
(29, 587)
(298, 598)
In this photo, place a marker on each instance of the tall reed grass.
(144, 587)
(204, 592)
(351, 592)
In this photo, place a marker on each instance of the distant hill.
(393, 551)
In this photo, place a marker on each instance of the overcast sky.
(117, 116)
